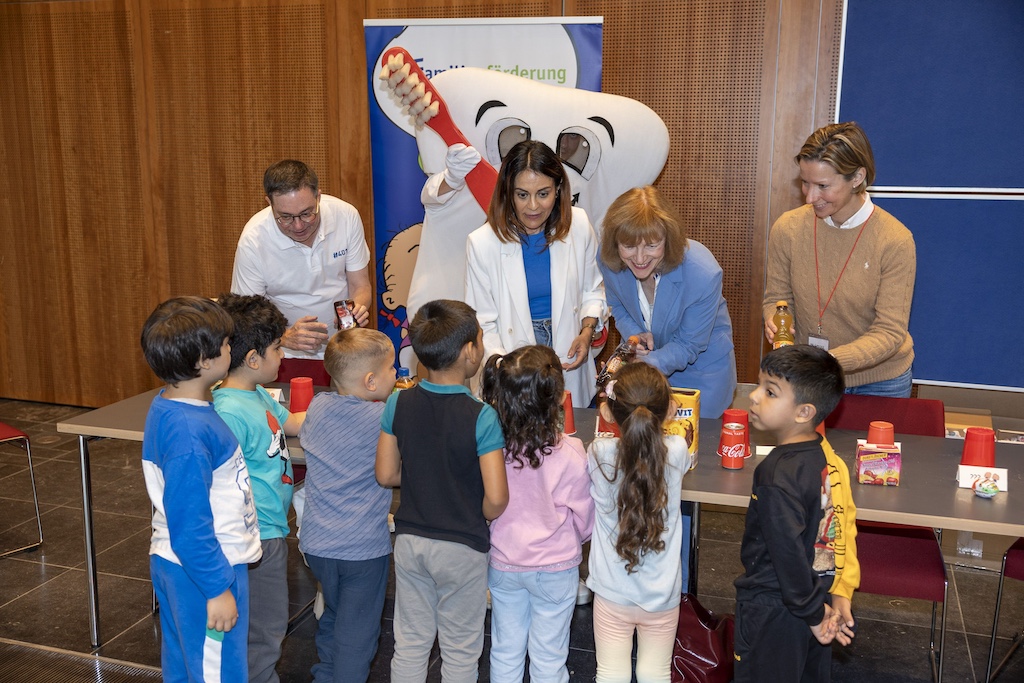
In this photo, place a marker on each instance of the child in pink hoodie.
(536, 544)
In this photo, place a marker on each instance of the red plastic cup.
(732, 444)
(881, 433)
(979, 447)
(570, 421)
(741, 417)
(301, 394)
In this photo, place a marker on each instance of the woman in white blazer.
(532, 272)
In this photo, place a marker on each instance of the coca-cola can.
(732, 445)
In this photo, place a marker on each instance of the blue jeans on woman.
(531, 611)
(897, 387)
(542, 332)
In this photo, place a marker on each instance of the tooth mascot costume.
(607, 144)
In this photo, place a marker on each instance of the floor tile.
(56, 613)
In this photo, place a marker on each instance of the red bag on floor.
(703, 650)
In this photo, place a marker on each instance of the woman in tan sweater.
(846, 266)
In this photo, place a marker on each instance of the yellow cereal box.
(685, 421)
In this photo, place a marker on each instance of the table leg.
(90, 545)
(694, 549)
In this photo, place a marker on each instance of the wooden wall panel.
(135, 134)
(237, 87)
(72, 292)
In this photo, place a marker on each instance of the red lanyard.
(817, 277)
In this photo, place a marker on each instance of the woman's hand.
(646, 344)
(579, 350)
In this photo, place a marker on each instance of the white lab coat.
(496, 288)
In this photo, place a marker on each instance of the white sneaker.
(584, 595)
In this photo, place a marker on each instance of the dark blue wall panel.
(938, 85)
(967, 317)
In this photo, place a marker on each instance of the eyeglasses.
(307, 216)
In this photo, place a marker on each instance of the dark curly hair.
(525, 387)
(641, 403)
(258, 324)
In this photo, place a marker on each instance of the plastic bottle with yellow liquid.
(783, 320)
(404, 381)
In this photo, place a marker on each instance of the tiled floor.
(43, 592)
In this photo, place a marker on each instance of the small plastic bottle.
(624, 353)
(783, 320)
(404, 381)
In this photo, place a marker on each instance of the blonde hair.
(844, 147)
(355, 350)
(642, 215)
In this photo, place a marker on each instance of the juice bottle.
(783, 320)
(625, 353)
(404, 381)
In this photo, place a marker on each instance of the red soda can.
(732, 445)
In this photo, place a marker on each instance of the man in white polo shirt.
(304, 252)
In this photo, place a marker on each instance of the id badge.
(819, 341)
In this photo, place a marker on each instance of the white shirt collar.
(856, 219)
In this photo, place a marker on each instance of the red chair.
(896, 559)
(921, 416)
(11, 435)
(1013, 566)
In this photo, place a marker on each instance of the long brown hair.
(530, 155)
(641, 403)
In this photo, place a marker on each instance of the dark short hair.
(181, 332)
(258, 324)
(530, 155)
(814, 374)
(439, 331)
(358, 348)
(289, 176)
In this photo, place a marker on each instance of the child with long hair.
(635, 567)
(536, 544)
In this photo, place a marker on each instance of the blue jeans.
(531, 611)
(346, 639)
(897, 387)
(542, 332)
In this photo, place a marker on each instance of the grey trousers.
(440, 589)
(268, 610)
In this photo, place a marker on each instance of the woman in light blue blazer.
(667, 290)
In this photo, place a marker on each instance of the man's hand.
(307, 334)
(361, 314)
(221, 612)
